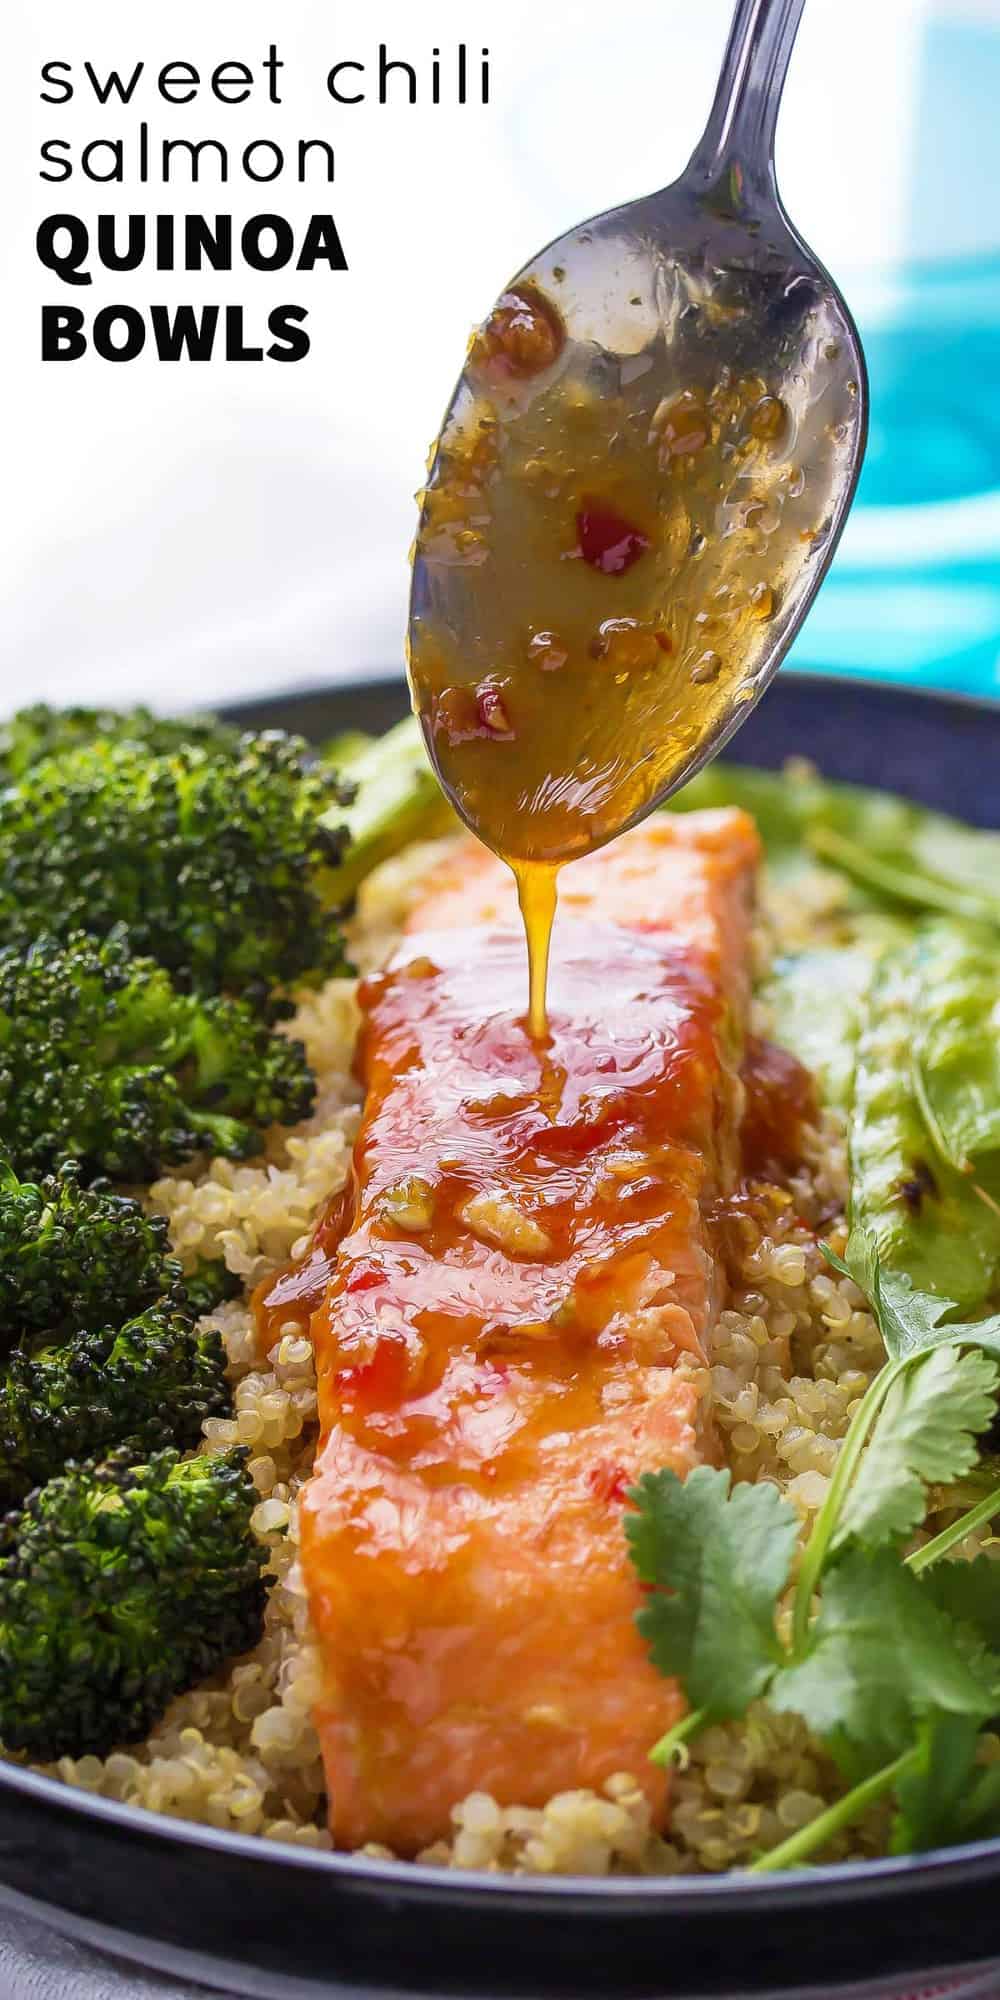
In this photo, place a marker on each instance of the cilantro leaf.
(968, 1593)
(979, 1818)
(910, 1321)
(717, 1561)
(924, 1433)
(881, 1656)
(931, 1793)
(945, 1797)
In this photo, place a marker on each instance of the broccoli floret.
(41, 731)
(120, 1587)
(149, 1383)
(72, 1256)
(210, 858)
(209, 1285)
(103, 1061)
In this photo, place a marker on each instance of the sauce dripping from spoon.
(624, 552)
(537, 894)
(638, 486)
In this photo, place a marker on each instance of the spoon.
(639, 484)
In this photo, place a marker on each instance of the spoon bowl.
(638, 487)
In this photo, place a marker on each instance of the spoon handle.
(739, 135)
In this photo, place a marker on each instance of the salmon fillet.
(520, 1303)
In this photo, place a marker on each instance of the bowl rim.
(837, 1882)
(832, 1882)
(382, 679)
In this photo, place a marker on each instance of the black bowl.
(265, 1919)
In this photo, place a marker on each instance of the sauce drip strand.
(537, 894)
(595, 570)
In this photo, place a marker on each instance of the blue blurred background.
(914, 592)
(191, 535)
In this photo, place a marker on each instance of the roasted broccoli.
(146, 1384)
(41, 731)
(208, 856)
(209, 1285)
(121, 1586)
(103, 1061)
(72, 1256)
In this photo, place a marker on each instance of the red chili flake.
(608, 1482)
(365, 1278)
(376, 1383)
(607, 541)
(664, 641)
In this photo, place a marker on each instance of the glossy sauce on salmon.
(511, 1310)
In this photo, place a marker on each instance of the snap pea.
(813, 1000)
(812, 1006)
(898, 1018)
(398, 799)
(344, 750)
(957, 1050)
(895, 851)
(782, 803)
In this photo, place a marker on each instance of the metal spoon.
(681, 372)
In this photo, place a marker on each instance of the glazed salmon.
(520, 1304)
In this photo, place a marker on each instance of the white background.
(187, 532)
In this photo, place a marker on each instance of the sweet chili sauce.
(629, 570)
(537, 894)
(510, 1332)
(780, 1105)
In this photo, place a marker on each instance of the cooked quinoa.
(794, 1351)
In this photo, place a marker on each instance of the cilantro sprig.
(892, 1658)
(893, 1662)
(717, 1559)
